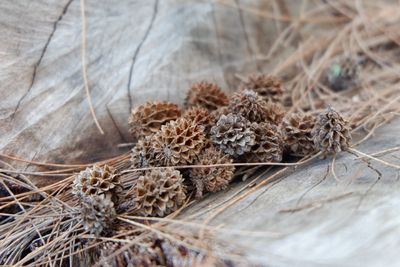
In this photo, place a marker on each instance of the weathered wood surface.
(136, 50)
(139, 50)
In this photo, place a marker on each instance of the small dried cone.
(268, 87)
(296, 130)
(248, 104)
(200, 116)
(268, 145)
(331, 133)
(159, 192)
(212, 179)
(344, 73)
(206, 95)
(274, 113)
(178, 143)
(232, 134)
(216, 114)
(141, 154)
(95, 181)
(98, 213)
(148, 118)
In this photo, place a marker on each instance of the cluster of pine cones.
(252, 125)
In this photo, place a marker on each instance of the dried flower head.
(95, 181)
(212, 179)
(178, 142)
(98, 213)
(343, 73)
(148, 118)
(331, 133)
(141, 155)
(248, 104)
(268, 87)
(200, 116)
(268, 144)
(296, 130)
(232, 134)
(206, 95)
(159, 192)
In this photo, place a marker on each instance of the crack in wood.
(153, 17)
(35, 67)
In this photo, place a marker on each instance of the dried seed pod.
(248, 104)
(212, 179)
(95, 181)
(343, 73)
(274, 113)
(159, 192)
(268, 145)
(296, 130)
(98, 213)
(178, 142)
(148, 118)
(141, 155)
(232, 134)
(216, 114)
(268, 87)
(200, 116)
(331, 133)
(206, 95)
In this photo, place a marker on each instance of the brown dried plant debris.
(207, 95)
(248, 104)
(233, 135)
(95, 181)
(98, 213)
(178, 143)
(268, 144)
(200, 116)
(212, 179)
(159, 192)
(268, 87)
(148, 117)
(331, 133)
(296, 130)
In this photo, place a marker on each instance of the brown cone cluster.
(274, 113)
(212, 179)
(268, 144)
(207, 95)
(331, 133)
(248, 104)
(178, 142)
(159, 192)
(297, 131)
(142, 155)
(268, 87)
(148, 118)
(233, 135)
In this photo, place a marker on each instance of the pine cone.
(296, 130)
(141, 155)
(178, 143)
(232, 134)
(200, 116)
(148, 118)
(269, 88)
(206, 95)
(212, 179)
(268, 145)
(331, 133)
(216, 114)
(95, 181)
(159, 192)
(274, 113)
(98, 213)
(248, 104)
